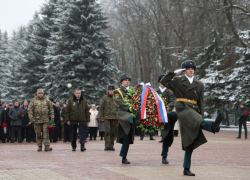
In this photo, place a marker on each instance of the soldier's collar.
(127, 88)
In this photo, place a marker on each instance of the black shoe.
(101, 139)
(29, 141)
(151, 139)
(19, 141)
(12, 141)
(73, 149)
(112, 149)
(83, 149)
(160, 141)
(141, 138)
(216, 123)
(125, 161)
(238, 137)
(8, 140)
(245, 137)
(35, 141)
(106, 148)
(187, 172)
(90, 139)
(164, 160)
(3, 141)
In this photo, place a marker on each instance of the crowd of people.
(77, 118)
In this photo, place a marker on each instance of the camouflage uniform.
(39, 111)
(108, 113)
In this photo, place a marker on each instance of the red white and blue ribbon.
(161, 109)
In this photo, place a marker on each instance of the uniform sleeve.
(169, 81)
(119, 101)
(67, 111)
(101, 110)
(172, 100)
(87, 112)
(200, 102)
(30, 111)
(51, 110)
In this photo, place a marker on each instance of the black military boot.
(83, 148)
(112, 148)
(164, 160)
(187, 172)
(216, 123)
(106, 148)
(73, 148)
(125, 161)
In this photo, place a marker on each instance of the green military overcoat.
(190, 115)
(122, 114)
(107, 108)
(168, 131)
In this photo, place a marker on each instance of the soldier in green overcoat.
(168, 131)
(189, 106)
(107, 113)
(126, 127)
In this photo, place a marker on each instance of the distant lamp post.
(69, 85)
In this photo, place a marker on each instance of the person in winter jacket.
(16, 114)
(242, 115)
(93, 124)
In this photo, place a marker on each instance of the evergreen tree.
(79, 53)
(227, 87)
(38, 33)
(15, 56)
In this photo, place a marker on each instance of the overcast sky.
(14, 13)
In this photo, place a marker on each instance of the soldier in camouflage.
(107, 114)
(40, 111)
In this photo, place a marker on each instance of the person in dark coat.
(67, 134)
(242, 116)
(126, 127)
(8, 121)
(25, 121)
(54, 134)
(77, 112)
(16, 121)
(189, 106)
(2, 120)
(168, 131)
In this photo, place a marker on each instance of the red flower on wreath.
(4, 125)
(138, 86)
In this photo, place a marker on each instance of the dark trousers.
(8, 133)
(19, 133)
(206, 125)
(102, 134)
(143, 134)
(85, 129)
(165, 147)
(59, 132)
(2, 138)
(67, 133)
(125, 145)
(74, 134)
(93, 132)
(244, 123)
(30, 134)
(24, 133)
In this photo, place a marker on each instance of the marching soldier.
(189, 106)
(107, 114)
(40, 111)
(168, 131)
(126, 127)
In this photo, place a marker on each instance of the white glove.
(177, 71)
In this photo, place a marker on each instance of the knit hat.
(39, 91)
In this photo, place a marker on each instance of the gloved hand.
(130, 119)
(177, 71)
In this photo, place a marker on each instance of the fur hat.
(111, 87)
(188, 64)
(160, 77)
(39, 91)
(124, 76)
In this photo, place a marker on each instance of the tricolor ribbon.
(162, 112)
